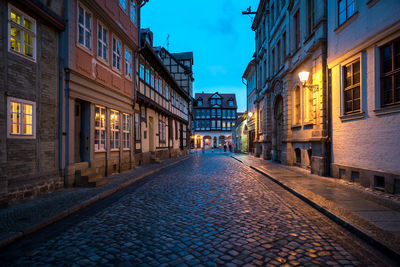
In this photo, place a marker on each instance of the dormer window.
(199, 102)
(230, 103)
(216, 100)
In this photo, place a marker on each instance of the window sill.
(387, 110)
(353, 116)
(32, 59)
(126, 149)
(309, 123)
(85, 49)
(100, 151)
(344, 25)
(296, 126)
(114, 150)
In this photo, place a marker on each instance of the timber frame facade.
(161, 109)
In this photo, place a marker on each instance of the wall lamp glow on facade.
(303, 76)
(250, 114)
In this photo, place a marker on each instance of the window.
(133, 11)
(218, 113)
(213, 112)
(284, 44)
(346, 10)
(137, 127)
(351, 75)
(84, 27)
(156, 84)
(176, 130)
(114, 128)
(152, 80)
(260, 120)
(122, 3)
(390, 73)
(22, 118)
(160, 87)
(22, 33)
(218, 124)
(310, 16)
(213, 124)
(100, 129)
(141, 71)
(102, 42)
(116, 54)
(273, 61)
(166, 92)
(310, 107)
(230, 103)
(147, 76)
(126, 131)
(128, 63)
(224, 113)
(199, 102)
(278, 54)
(224, 125)
(161, 130)
(296, 19)
(296, 103)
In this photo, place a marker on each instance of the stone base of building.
(374, 179)
(147, 157)
(30, 189)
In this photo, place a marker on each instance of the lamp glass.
(303, 76)
(250, 114)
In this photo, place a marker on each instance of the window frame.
(130, 11)
(392, 73)
(99, 24)
(347, 16)
(116, 55)
(137, 121)
(83, 45)
(100, 128)
(126, 131)
(114, 130)
(161, 131)
(22, 28)
(122, 7)
(142, 70)
(128, 64)
(346, 87)
(21, 116)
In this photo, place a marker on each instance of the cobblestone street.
(209, 210)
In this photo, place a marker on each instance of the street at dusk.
(200, 133)
(208, 210)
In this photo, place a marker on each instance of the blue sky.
(217, 33)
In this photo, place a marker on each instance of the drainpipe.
(325, 80)
(63, 66)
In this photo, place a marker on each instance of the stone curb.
(81, 206)
(391, 252)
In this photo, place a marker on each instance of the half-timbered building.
(214, 118)
(161, 109)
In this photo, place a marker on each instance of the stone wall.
(29, 167)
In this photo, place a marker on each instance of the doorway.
(82, 131)
(278, 132)
(151, 134)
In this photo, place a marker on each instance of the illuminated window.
(22, 118)
(84, 27)
(22, 33)
(100, 129)
(133, 11)
(352, 100)
(126, 131)
(128, 63)
(102, 42)
(116, 54)
(114, 129)
(309, 113)
(296, 105)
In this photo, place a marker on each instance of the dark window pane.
(356, 105)
(356, 93)
(387, 58)
(387, 90)
(348, 76)
(397, 55)
(348, 106)
(348, 95)
(356, 72)
(397, 95)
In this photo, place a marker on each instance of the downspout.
(64, 58)
(325, 80)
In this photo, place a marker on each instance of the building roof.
(184, 56)
(225, 98)
(250, 66)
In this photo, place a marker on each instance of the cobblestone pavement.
(207, 211)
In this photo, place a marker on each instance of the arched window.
(296, 105)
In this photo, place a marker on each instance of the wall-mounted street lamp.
(303, 77)
(250, 114)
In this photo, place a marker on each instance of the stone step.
(85, 171)
(81, 165)
(90, 177)
(99, 182)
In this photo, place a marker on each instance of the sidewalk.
(28, 216)
(370, 214)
